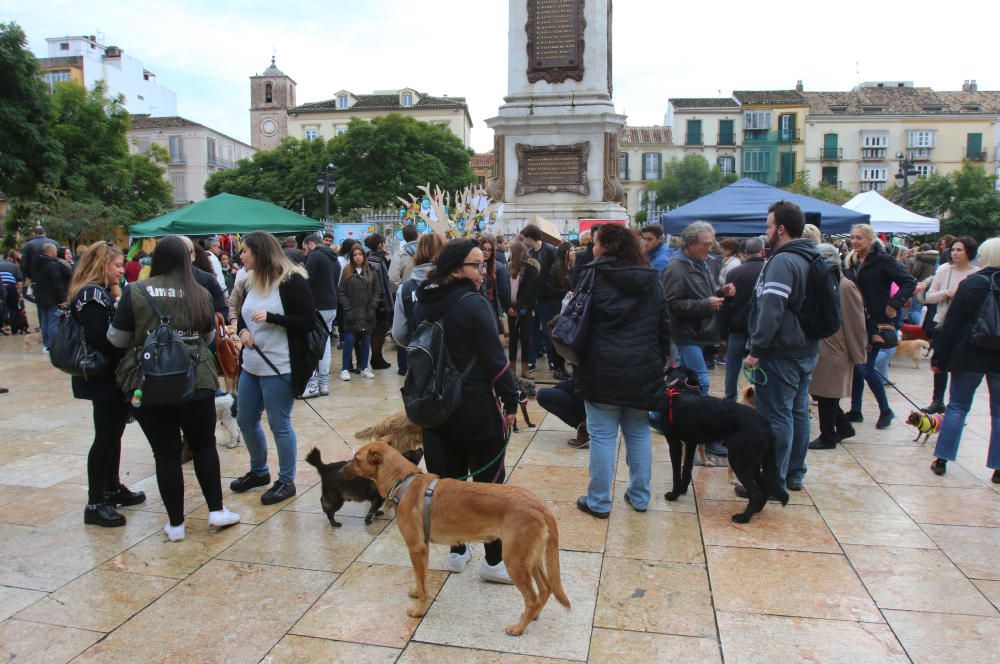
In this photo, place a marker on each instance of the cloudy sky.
(205, 51)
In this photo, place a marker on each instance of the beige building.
(710, 127)
(196, 152)
(272, 93)
(642, 153)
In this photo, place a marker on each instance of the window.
(143, 144)
(407, 100)
(872, 177)
(727, 165)
(177, 182)
(177, 149)
(921, 138)
(623, 166)
(757, 120)
(838, 109)
(693, 136)
(756, 162)
(63, 46)
(830, 150)
(268, 94)
(830, 175)
(923, 170)
(974, 147)
(341, 130)
(311, 134)
(342, 101)
(786, 175)
(211, 150)
(726, 134)
(972, 108)
(56, 76)
(651, 162)
(786, 127)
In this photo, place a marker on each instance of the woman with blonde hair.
(91, 299)
(360, 292)
(274, 322)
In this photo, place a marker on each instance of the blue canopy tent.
(741, 209)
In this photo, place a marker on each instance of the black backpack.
(406, 292)
(166, 368)
(432, 389)
(820, 314)
(986, 327)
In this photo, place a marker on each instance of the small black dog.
(19, 320)
(337, 490)
(526, 392)
(689, 419)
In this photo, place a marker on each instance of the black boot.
(822, 443)
(104, 515)
(125, 496)
(935, 407)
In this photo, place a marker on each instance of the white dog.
(225, 407)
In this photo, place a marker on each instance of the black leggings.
(456, 456)
(520, 331)
(110, 418)
(163, 426)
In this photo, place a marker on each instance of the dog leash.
(750, 374)
(886, 381)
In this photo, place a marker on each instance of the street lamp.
(326, 186)
(905, 171)
(650, 207)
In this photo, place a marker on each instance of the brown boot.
(582, 440)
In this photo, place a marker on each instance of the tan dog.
(402, 434)
(913, 349)
(468, 512)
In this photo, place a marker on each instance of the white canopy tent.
(887, 217)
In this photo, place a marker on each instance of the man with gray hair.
(214, 250)
(693, 300)
(324, 277)
(735, 312)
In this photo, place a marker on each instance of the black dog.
(689, 419)
(526, 392)
(337, 490)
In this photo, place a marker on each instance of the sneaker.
(494, 573)
(223, 518)
(278, 492)
(794, 484)
(581, 504)
(457, 561)
(367, 373)
(125, 497)
(104, 515)
(884, 419)
(312, 391)
(174, 533)
(629, 501)
(249, 481)
(324, 388)
(531, 368)
(855, 416)
(345, 375)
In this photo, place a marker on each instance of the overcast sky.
(205, 51)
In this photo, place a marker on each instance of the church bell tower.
(271, 95)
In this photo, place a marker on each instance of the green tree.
(824, 191)
(686, 180)
(965, 201)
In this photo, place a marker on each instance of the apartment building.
(642, 153)
(710, 127)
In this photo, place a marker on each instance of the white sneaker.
(457, 561)
(174, 533)
(223, 518)
(368, 373)
(494, 573)
(345, 375)
(324, 388)
(312, 391)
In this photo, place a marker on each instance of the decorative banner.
(399, 234)
(421, 225)
(357, 232)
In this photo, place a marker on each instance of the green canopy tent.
(226, 213)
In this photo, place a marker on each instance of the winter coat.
(660, 257)
(359, 297)
(30, 251)
(402, 265)
(50, 280)
(924, 264)
(379, 263)
(734, 315)
(953, 349)
(874, 278)
(628, 340)
(207, 279)
(324, 277)
(838, 354)
(687, 286)
(546, 257)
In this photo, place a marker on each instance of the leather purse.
(569, 336)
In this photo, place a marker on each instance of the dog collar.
(402, 486)
(397, 490)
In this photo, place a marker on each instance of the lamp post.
(905, 171)
(326, 185)
(650, 207)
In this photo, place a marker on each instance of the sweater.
(946, 278)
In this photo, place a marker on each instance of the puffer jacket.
(359, 297)
(874, 278)
(687, 286)
(628, 340)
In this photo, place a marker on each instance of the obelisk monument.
(556, 136)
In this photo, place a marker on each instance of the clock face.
(268, 126)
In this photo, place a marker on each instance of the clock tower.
(271, 95)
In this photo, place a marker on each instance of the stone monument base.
(564, 215)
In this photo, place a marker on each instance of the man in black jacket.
(379, 260)
(735, 312)
(324, 276)
(31, 250)
(545, 254)
(51, 281)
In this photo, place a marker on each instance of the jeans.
(963, 389)
(540, 340)
(48, 323)
(603, 422)
(275, 394)
(882, 363)
(692, 356)
(784, 401)
(350, 338)
(323, 370)
(940, 378)
(401, 363)
(736, 350)
(865, 373)
(562, 402)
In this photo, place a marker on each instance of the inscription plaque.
(555, 40)
(552, 168)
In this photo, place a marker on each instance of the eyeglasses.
(479, 266)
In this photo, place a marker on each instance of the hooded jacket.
(774, 327)
(324, 277)
(660, 257)
(688, 285)
(628, 340)
(359, 298)
(402, 265)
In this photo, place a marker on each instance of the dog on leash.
(337, 489)
(927, 425)
(448, 511)
(526, 392)
(401, 433)
(913, 349)
(689, 419)
(225, 415)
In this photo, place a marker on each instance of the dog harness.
(930, 424)
(400, 487)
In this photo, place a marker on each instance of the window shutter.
(974, 146)
(659, 165)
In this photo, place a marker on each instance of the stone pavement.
(876, 560)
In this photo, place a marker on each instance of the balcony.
(789, 135)
(831, 154)
(694, 139)
(874, 154)
(919, 154)
(836, 184)
(727, 139)
(973, 155)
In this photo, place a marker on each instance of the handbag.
(225, 349)
(317, 338)
(569, 336)
(69, 352)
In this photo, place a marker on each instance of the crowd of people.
(695, 301)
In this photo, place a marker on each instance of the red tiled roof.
(769, 97)
(645, 135)
(704, 102)
(482, 160)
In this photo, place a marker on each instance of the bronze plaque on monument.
(552, 168)
(555, 40)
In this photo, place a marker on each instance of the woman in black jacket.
(874, 271)
(967, 364)
(359, 296)
(525, 285)
(496, 279)
(92, 294)
(558, 286)
(621, 372)
(274, 324)
(473, 437)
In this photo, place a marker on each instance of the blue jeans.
(736, 350)
(540, 339)
(963, 389)
(350, 338)
(784, 400)
(865, 373)
(882, 362)
(48, 323)
(275, 394)
(692, 357)
(603, 422)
